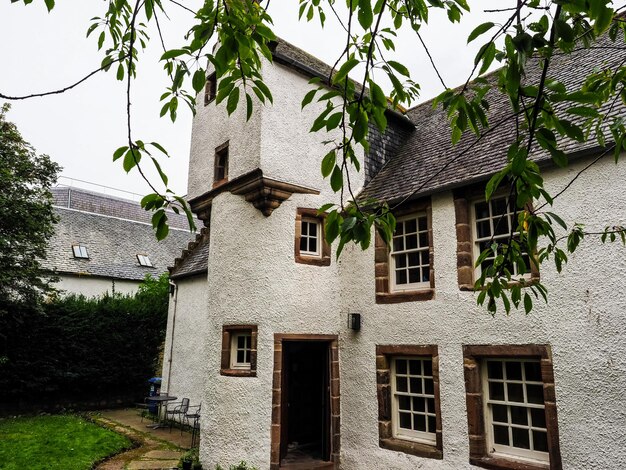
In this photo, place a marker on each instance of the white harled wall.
(584, 322)
(253, 279)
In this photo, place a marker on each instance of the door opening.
(305, 407)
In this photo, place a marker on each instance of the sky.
(81, 128)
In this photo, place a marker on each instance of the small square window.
(239, 344)
(310, 245)
(210, 89)
(80, 251)
(410, 418)
(144, 260)
(220, 174)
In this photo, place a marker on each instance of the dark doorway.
(305, 417)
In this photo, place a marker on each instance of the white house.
(103, 243)
(258, 328)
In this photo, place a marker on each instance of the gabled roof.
(194, 260)
(112, 244)
(416, 169)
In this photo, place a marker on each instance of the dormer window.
(210, 89)
(220, 174)
(144, 260)
(80, 251)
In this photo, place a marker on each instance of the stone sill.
(410, 296)
(501, 463)
(413, 448)
(238, 373)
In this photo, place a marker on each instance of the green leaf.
(248, 107)
(328, 163)
(584, 111)
(399, 68)
(120, 72)
(336, 179)
(365, 14)
(343, 71)
(266, 91)
(119, 152)
(173, 53)
(49, 4)
(378, 96)
(308, 98)
(333, 121)
(480, 29)
(528, 303)
(233, 99)
(131, 159)
(603, 20)
(198, 80)
(488, 56)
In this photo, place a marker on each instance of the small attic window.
(144, 261)
(210, 90)
(80, 251)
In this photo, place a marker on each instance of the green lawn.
(55, 443)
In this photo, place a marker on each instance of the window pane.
(538, 417)
(499, 413)
(414, 258)
(401, 384)
(419, 404)
(501, 435)
(405, 420)
(494, 370)
(425, 257)
(416, 385)
(410, 226)
(398, 244)
(404, 402)
(411, 242)
(400, 261)
(400, 366)
(240, 356)
(414, 275)
(420, 422)
(425, 274)
(428, 386)
(401, 276)
(519, 415)
(399, 228)
(423, 239)
(415, 367)
(432, 424)
(513, 370)
(521, 438)
(241, 341)
(303, 243)
(533, 371)
(423, 223)
(535, 394)
(496, 391)
(498, 206)
(482, 210)
(312, 229)
(305, 228)
(428, 367)
(313, 245)
(431, 405)
(540, 441)
(501, 225)
(484, 229)
(516, 392)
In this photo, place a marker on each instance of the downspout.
(169, 361)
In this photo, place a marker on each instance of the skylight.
(80, 251)
(144, 260)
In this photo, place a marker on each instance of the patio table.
(160, 400)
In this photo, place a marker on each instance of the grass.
(63, 442)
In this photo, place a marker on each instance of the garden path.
(159, 449)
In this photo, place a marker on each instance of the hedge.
(73, 349)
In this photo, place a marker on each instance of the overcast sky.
(81, 128)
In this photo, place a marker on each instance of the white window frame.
(318, 237)
(500, 449)
(144, 260)
(410, 286)
(80, 251)
(476, 241)
(234, 348)
(407, 434)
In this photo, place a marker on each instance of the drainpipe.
(169, 361)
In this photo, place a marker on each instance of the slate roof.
(194, 260)
(112, 244)
(416, 169)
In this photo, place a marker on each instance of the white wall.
(91, 286)
(184, 361)
(584, 322)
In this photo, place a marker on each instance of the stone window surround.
(225, 368)
(219, 152)
(325, 250)
(464, 199)
(381, 260)
(335, 407)
(473, 355)
(384, 354)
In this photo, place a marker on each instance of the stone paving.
(158, 449)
